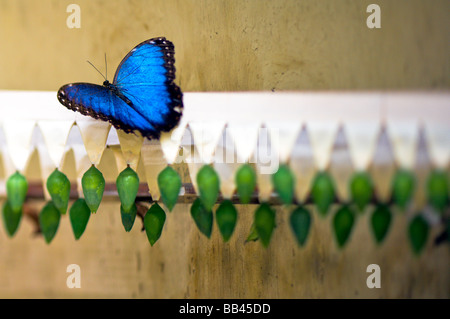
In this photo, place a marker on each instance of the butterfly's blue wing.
(101, 103)
(142, 96)
(145, 77)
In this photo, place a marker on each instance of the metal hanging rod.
(188, 195)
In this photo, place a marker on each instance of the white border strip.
(260, 106)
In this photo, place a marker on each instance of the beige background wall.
(220, 46)
(232, 44)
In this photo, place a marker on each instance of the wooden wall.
(232, 44)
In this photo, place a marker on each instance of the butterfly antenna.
(106, 68)
(97, 70)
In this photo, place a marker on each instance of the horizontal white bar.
(260, 106)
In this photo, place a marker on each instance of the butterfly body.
(142, 96)
(115, 90)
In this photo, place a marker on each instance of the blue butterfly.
(141, 97)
